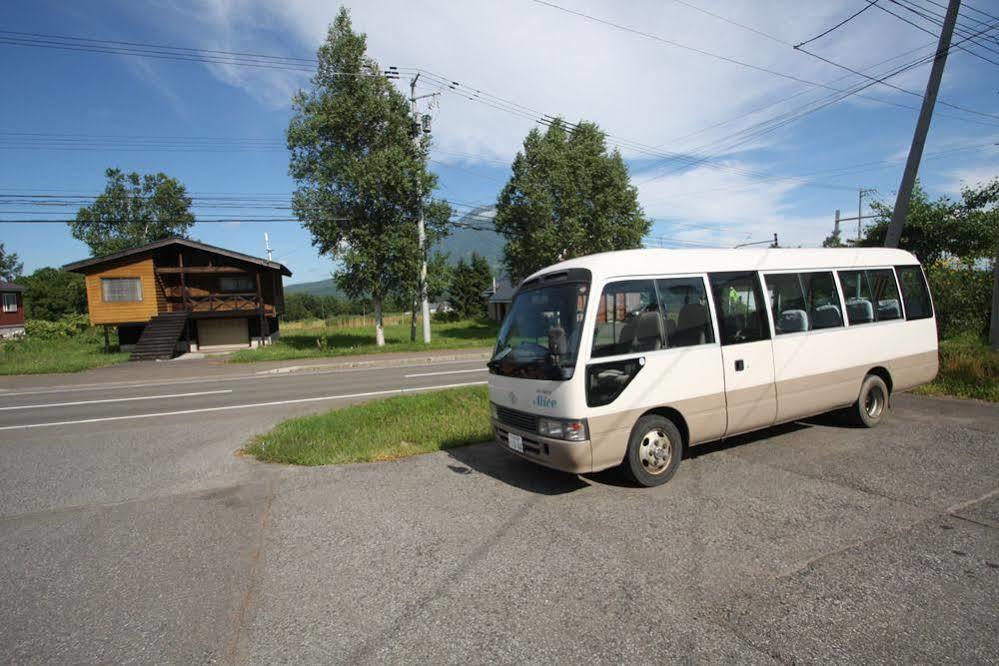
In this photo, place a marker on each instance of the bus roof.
(659, 261)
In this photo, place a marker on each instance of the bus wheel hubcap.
(874, 403)
(655, 452)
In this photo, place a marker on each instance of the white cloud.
(554, 62)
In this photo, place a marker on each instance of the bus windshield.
(522, 348)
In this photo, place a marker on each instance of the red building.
(11, 310)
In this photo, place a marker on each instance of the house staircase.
(159, 338)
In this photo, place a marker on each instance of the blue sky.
(655, 99)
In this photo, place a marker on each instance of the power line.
(732, 22)
(930, 32)
(838, 25)
(754, 131)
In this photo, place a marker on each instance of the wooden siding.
(15, 318)
(125, 312)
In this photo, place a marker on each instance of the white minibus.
(628, 358)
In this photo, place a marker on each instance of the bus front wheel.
(654, 451)
(872, 405)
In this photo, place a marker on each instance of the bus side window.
(787, 302)
(889, 304)
(685, 312)
(627, 319)
(914, 293)
(741, 312)
(823, 301)
(856, 291)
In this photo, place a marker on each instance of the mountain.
(473, 232)
(317, 288)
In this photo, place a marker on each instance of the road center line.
(445, 372)
(248, 406)
(111, 386)
(105, 400)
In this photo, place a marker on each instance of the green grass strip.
(380, 430)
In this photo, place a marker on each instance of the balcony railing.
(216, 302)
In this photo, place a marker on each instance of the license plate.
(515, 442)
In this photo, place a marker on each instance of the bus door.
(747, 353)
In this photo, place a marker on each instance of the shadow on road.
(488, 459)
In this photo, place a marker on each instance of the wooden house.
(11, 310)
(177, 294)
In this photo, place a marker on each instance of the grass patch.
(318, 340)
(32, 356)
(968, 369)
(381, 430)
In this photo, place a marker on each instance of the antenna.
(267, 245)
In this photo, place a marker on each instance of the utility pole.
(898, 216)
(421, 228)
(267, 246)
(994, 324)
(861, 192)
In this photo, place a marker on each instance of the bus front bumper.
(572, 457)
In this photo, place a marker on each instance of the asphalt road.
(133, 532)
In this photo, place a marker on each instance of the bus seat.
(827, 316)
(889, 309)
(648, 335)
(859, 310)
(792, 321)
(626, 338)
(690, 326)
(670, 329)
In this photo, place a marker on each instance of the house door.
(747, 352)
(219, 332)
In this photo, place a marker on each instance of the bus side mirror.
(556, 341)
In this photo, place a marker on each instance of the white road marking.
(248, 406)
(445, 372)
(97, 402)
(113, 386)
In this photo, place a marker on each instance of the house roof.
(81, 266)
(504, 292)
(10, 286)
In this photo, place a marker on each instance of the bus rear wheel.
(872, 405)
(654, 451)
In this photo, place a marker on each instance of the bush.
(64, 327)
(445, 317)
(962, 298)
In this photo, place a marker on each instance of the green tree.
(10, 265)
(356, 167)
(967, 230)
(133, 210)
(438, 281)
(468, 282)
(51, 294)
(568, 196)
(834, 239)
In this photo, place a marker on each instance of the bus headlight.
(573, 430)
(493, 410)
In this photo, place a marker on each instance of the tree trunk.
(994, 324)
(412, 321)
(379, 327)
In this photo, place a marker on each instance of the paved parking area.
(806, 542)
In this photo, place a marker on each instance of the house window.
(10, 302)
(237, 283)
(121, 290)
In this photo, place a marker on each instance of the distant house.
(177, 294)
(11, 310)
(500, 296)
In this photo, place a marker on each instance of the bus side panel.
(815, 372)
(688, 380)
(918, 360)
(823, 370)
